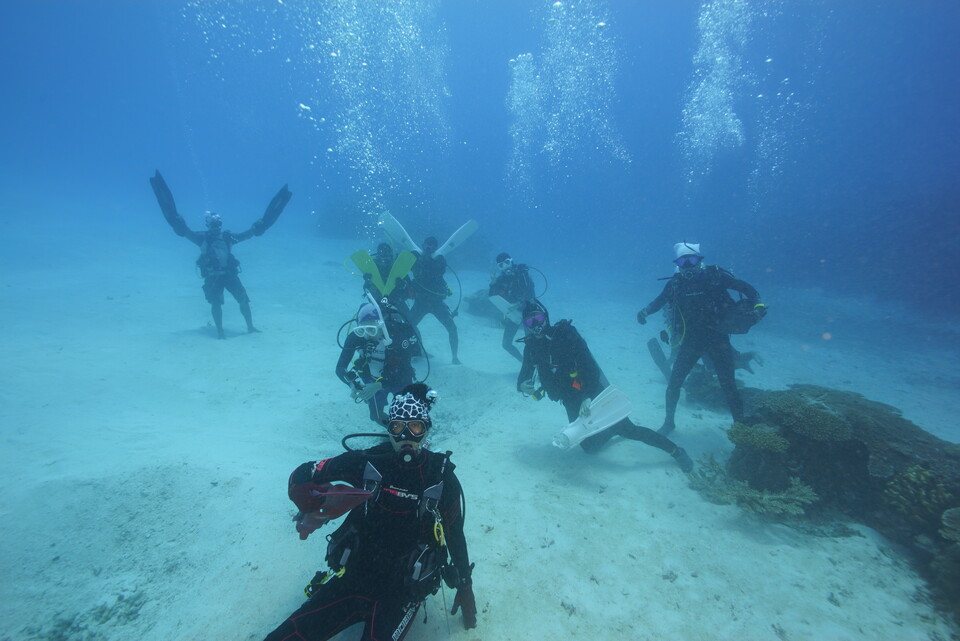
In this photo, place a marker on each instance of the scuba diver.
(510, 288)
(429, 289)
(218, 266)
(384, 344)
(673, 330)
(405, 519)
(559, 357)
(385, 275)
(704, 316)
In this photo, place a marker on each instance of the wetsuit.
(376, 362)
(568, 373)
(430, 289)
(699, 300)
(398, 296)
(385, 536)
(221, 270)
(515, 286)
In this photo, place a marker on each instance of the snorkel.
(382, 323)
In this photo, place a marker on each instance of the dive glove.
(468, 602)
(642, 317)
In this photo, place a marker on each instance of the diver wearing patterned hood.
(219, 268)
(405, 521)
(558, 356)
(700, 303)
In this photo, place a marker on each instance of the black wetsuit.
(568, 373)
(699, 303)
(398, 296)
(390, 365)
(221, 270)
(515, 286)
(430, 290)
(385, 536)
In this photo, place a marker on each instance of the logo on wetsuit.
(402, 494)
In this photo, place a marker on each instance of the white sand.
(144, 464)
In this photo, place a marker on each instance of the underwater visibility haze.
(810, 147)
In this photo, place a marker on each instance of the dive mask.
(688, 261)
(411, 430)
(366, 331)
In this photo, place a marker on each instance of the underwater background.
(810, 147)
(811, 143)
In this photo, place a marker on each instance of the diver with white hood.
(381, 345)
(704, 316)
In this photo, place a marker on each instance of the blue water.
(813, 145)
(810, 146)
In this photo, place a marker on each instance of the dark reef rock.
(862, 459)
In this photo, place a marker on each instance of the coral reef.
(807, 414)
(713, 482)
(758, 436)
(920, 496)
(951, 524)
(861, 459)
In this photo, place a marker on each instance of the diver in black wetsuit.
(384, 259)
(513, 283)
(698, 295)
(218, 266)
(391, 550)
(384, 349)
(568, 373)
(430, 289)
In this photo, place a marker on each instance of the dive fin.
(167, 206)
(456, 238)
(609, 408)
(400, 268)
(364, 262)
(658, 357)
(508, 309)
(274, 209)
(396, 233)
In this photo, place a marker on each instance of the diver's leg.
(442, 313)
(334, 606)
(627, 429)
(509, 331)
(235, 287)
(217, 312)
(417, 313)
(378, 406)
(687, 357)
(721, 352)
(213, 292)
(392, 621)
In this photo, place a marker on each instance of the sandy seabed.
(144, 464)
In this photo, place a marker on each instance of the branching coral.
(918, 494)
(809, 417)
(759, 437)
(713, 482)
(951, 524)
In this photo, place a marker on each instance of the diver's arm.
(303, 487)
(169, 209)
(270, 216)
(452, 513)
(728, 281)
(350, 347)
(657, 303)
